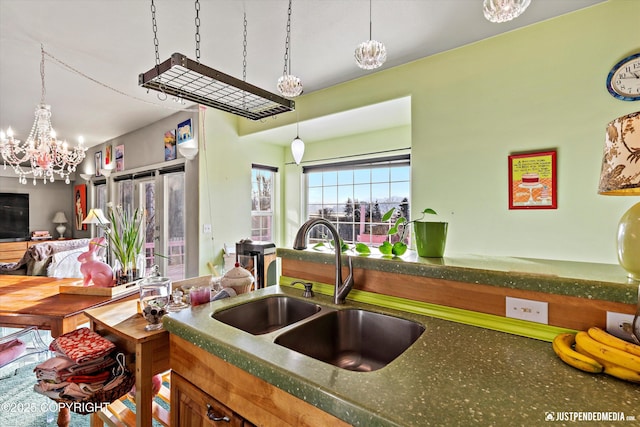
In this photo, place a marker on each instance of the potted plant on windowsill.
(430, 236)
(125, 241)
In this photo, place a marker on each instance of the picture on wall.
(98, 163)
(80, 206)
(108, 158)
(533, 181)
(185, 131)
(119, 158)
(170, 145)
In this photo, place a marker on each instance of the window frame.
(372, 231)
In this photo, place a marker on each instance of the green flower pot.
(431, 238)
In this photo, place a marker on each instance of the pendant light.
(370, 54)
(289, 85)
(504, 10)
(297, 145)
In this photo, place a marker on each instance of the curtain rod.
(351, 156)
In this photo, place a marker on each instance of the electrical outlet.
(526, 309)
(615, 322)
(206, 228)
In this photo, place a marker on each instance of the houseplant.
(125, 241)
(430, 236)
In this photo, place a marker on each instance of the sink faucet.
(341, 289)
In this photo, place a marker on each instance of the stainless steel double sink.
(350, 338)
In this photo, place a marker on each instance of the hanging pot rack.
(190, 80)
(187, 79)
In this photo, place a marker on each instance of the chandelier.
(42, 155)
(370, 54)
(504, 10)
(289, 85)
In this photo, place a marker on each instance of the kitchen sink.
(353, 339)
(267, 315)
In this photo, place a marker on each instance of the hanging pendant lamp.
(504, 10)
(370, 54)
(297, 145)
(289, 85)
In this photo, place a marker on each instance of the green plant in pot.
(125, 238)
(430, 236)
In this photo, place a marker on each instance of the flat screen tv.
(14, 217)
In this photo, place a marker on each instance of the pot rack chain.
(154, 25)
(197, 22)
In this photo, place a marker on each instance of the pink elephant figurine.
(93, 270)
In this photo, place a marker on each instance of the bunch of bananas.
(597, 351)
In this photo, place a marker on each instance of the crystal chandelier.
(42, 155)
(504, 10)
(370, 54)
(289, 85)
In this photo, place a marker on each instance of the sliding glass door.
(160, 195)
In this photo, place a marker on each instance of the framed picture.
(119, 158)
(533, 181)
(185, 131)
(108, 157)
(98, 163)
(80, 206)
(170, 145)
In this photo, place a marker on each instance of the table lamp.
(61, 219)
(620, 176)
(96, 216)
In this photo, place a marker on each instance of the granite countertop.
(454, 374)
(599, 281)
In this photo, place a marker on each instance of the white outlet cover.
(526, 309)
(614, 324)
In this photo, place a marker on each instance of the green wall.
(541, 87)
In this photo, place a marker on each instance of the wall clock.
(623, 81)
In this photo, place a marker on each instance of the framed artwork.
(80, 206)
(170, 145)
(98, 163)
(108, 157)
(533, 181)
(185, 131)
(119, 154)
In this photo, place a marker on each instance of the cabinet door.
(191, 407)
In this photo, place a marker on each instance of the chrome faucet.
(342, 289)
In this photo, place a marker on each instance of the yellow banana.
(604, 352)
(562, 347)
(606, 338)
(622, 373)
(613, 369)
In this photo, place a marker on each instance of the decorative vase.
(431, 238)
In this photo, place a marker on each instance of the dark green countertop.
(454, 374)
(606, 282)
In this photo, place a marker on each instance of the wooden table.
(122, 324)
(36, 301)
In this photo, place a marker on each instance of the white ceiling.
(110, 42)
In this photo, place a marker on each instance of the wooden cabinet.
(13, 251)
(191, 407)
(200, 378)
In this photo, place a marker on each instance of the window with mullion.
(355, 195)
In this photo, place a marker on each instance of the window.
(262, 202)
(355, 195)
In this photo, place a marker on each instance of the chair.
(21, 344)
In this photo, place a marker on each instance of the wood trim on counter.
(564, 311)
(250, 397)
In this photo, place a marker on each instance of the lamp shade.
(620, 176)
(297, 150)
(60, 218)
(96, 216)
